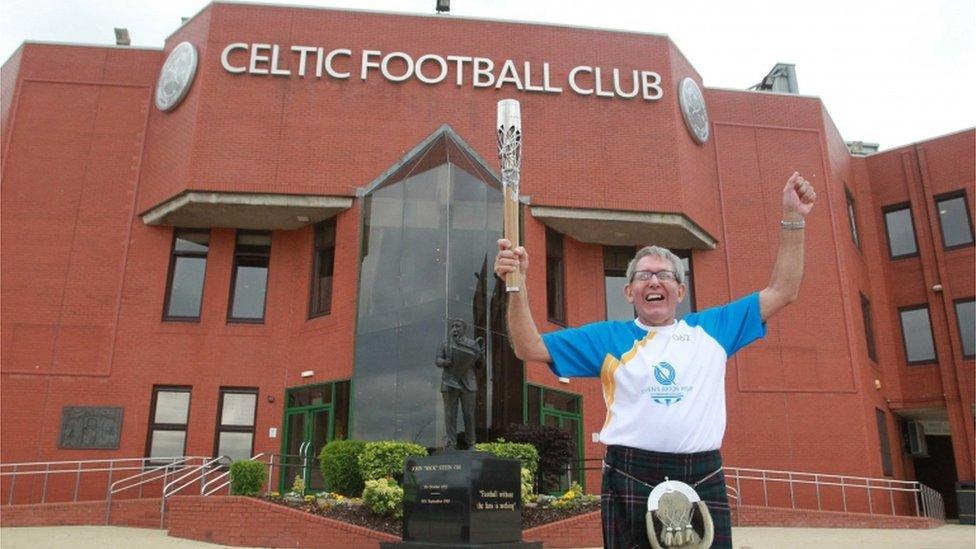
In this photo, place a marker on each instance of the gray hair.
(663, 253)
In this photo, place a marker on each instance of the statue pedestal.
(462, 499)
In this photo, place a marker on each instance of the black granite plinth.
(462, 499)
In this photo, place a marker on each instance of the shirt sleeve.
(734, 325)
(578, 352)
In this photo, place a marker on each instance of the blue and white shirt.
(664, 386)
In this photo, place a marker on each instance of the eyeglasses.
(646, 276)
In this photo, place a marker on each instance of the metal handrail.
(187, 478)
(70, 467)
(151, 474)
(928, 502)
(226, 475)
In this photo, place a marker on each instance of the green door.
(307, 430)
(569, 423)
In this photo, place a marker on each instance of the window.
(323, 258)
(966, 320)
(916, 331)
(167, 425)
(250, 277)
(953, 213)
(885, 444)
(555, 278)
(187, 266)
(868, 327)
(851, 217)
(236, 413)
(901, 231)
(615, 259)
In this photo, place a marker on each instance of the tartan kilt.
(624, 501)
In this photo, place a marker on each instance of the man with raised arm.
(663, 379)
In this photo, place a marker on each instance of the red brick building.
(272, 260)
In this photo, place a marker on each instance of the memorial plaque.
(462, 499)
(90, 427)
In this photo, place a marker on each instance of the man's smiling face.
(656, 300)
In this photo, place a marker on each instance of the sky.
(890, 72)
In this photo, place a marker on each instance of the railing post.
(111, 470)
(47, 468)
(870, 505)
(916, 495)
(843, 493)
(891, 498)
(816, 485)
(271, 473)
(77, 482)
(765, 492)
(789, 479)
(13, 479)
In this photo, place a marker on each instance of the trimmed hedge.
(384, 497)
(386, 459)
(247, 477)
(524, 452)
(339, 461)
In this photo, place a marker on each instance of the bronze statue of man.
(458, 358)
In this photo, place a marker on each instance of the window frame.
(867, 318)
(233, 278)
(313, 280)
(955, 311)
(904, 342)
(221, 428)
(689, 279)
(173, 255)
(961, 193)
(852, 217)
(884, 442)
(884, 219)
(153, 426)
(555, 278)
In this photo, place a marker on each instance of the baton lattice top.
(510, 155)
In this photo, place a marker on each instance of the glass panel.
(427, 241)
(868, 326)
(555, 281)
(167, 444)
(340, 424)
(533, 407)
(186, 290)
(192, 241)
(571, 426)
(249, 287)
(320, 436)
(852, 220)
(172, 407)
(235, 445)
(316, 395)
(561, 401)
(917, 331)
(292, 463)
(238, 409)
(885, 445)
(253, 242)
(618, 308)
(954, 219)
(901, 232)
(966, 317)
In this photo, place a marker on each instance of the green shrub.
(555, 448)
(384, 497)
(525, 453)
(339, 461)
(247, 477)
(574, 498)
(386, 458)
(528, 487)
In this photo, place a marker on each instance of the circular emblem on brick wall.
(176, 76)
(693, 110)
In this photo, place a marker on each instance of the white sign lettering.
(433, 69)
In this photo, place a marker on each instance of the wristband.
(793, 225)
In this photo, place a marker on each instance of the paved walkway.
(950, 536)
